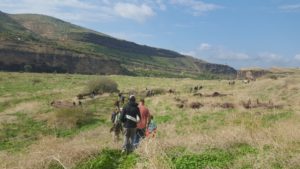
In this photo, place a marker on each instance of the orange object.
(150, 134)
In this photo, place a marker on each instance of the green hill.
(47, 44)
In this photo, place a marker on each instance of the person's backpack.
(117, 118)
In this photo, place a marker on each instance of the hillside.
(47, 44)
(253, 125)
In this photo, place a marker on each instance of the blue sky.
(238, 33)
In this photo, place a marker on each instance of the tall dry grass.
(275, 133)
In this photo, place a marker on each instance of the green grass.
(185, 124)
(109, 159)
(163, 119)
(271, 118)
(16, 136)
(211, 158)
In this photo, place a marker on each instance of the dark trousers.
(140, 134)
(129, 138)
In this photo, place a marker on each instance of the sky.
(239, 33)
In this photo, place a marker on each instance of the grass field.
(222, 133)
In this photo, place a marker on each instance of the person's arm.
(139, 113)
(122, 118)
(148, 119)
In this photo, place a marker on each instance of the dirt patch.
(257, 104)
(62, 104)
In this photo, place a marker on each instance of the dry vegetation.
(194, 131)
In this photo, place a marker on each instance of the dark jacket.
(132, 110)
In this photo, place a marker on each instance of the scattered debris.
(180, 105)
(156, 91)
(214, 94)
(63, 104)
(231, 83)
(269, 105)
(83, 95)
(246, 81)
(217, 94)
(171, 91)
(196, 105)
(198, 94)
(196, 88)
(225, 105)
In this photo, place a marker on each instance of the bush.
(158, 91)
(102, 85)
(72, 117)
(274, 77)
(36, 81)
(27, 68)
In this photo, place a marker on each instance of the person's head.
(142, 102)
(132, 98)
(151, 117)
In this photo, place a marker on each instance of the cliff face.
(47, 44)
(216, 68)
(13, 60)
(251, 74)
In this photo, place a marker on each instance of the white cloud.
(239, 59)
(205, 46)
(270, 57)
(197, 7)
(161, 5)
(297, 57)
(290, 8)
(219, 52)
(135, 12)
(81, 11)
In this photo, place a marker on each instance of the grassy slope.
(208, 137)
(52, 34)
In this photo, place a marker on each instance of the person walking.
(130, 117)
(151, 129)
(117, 127)
(143, 123)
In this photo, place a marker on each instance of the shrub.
(158, 91)
(102, 85)
(72, 117)
(274, 77)
(36, 81)
(27, 68)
